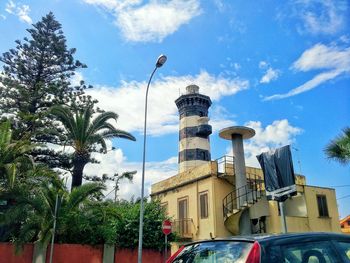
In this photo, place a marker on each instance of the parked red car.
(285, 248)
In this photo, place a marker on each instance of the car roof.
(273, 239)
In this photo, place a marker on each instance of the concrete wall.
(220, 189)
(200, 228)
(217, 189)
(296, 206)
(190, 175)
(316, 222)
(302, 212)
(294, 224)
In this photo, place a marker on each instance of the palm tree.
(85, 133)
(18, 175)
(34, 212)
(339, 148)
(15, 160)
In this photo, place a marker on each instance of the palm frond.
(339, 148)
(100, 120)
(5, 133)
(116, 133)
(64, 115)
(81, 193)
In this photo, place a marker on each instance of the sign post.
(166, 228)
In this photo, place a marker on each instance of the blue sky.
(281, 67)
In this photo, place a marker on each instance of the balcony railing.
(183, 227)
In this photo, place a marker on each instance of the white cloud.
(220, 5)
(114, 4)
(115, 162)
(10, 7)
(321, 17)
(263, 64)
(221, 118)
(333, 59)
(274, 135)
(21, 11)
(76, 79)
(150, 22)
(345, 39)
(236, 66)
(270, 75)
(323, 57)
(3, 16)
(128, 100)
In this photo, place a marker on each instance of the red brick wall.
(7, 254)
(75, 253)
(123, 255)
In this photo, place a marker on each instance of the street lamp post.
(160, 62)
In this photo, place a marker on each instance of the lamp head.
(161, 60)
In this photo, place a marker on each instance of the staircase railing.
(224, 163)
(242, 197)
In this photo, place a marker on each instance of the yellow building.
(203, 201)
(345, 225)
(200, 202)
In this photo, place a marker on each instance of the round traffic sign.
(166, 227)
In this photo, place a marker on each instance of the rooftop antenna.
(298, 158)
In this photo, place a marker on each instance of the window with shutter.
(203, 204)
(322, 206)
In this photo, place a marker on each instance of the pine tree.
(36, 75)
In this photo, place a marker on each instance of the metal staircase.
(250, 194)
(240, 199)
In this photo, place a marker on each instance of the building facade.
(204, 202)
(345, 225)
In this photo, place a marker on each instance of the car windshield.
(309, 252)
(216, 251)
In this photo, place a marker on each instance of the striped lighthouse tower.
(194, 146)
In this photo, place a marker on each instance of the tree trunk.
(79, 162)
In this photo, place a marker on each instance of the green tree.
(85, 134)
(94, 223)
(33, 213)
(339, 148)
(127, 227)
(36, 75)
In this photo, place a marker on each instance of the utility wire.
(345, 185)
(346, 196)
(110, 192)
